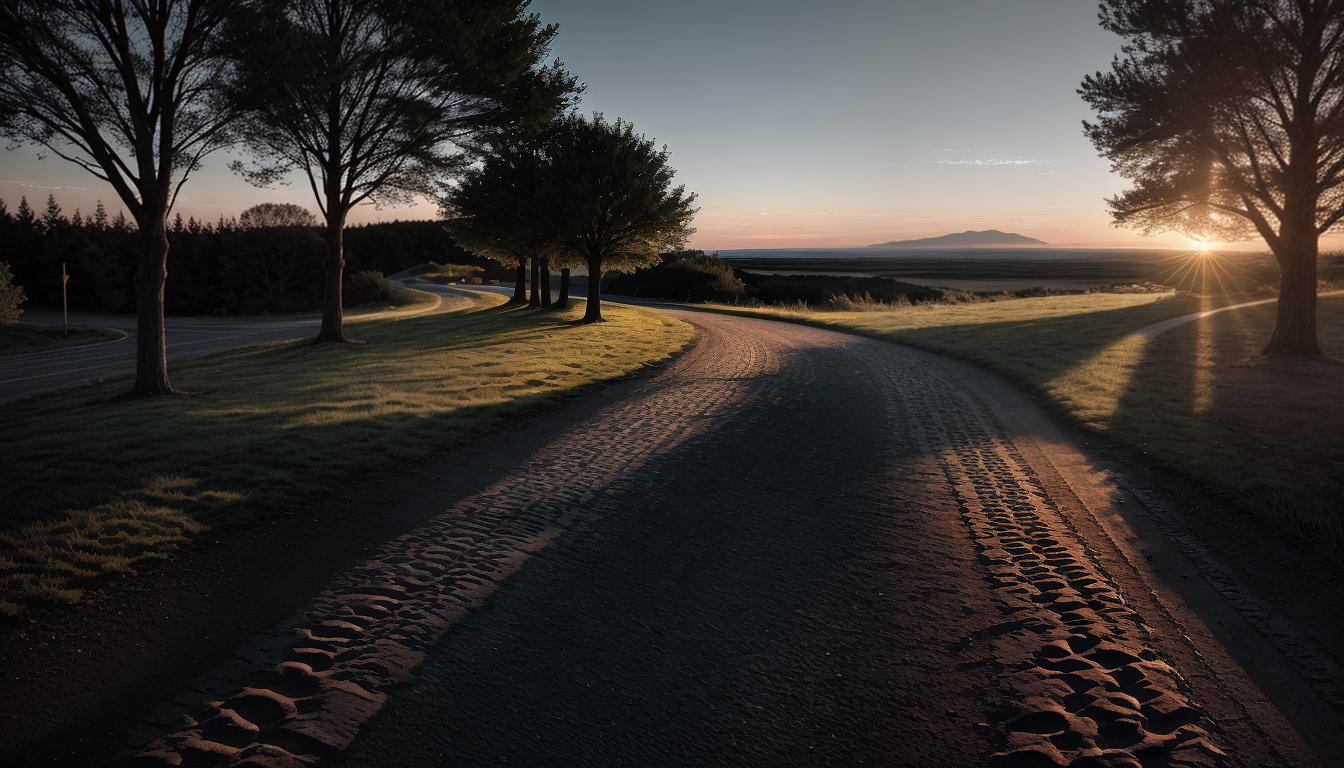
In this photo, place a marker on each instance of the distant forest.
(213, 268)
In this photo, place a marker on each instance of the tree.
(52, 218)
(128, 92)
(608, 194)
(277, 262)
(490, 209)
(11, 296)
(24, 213)
(376, 99)
(1228, 118)
(276, 216)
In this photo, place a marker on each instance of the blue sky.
(807, 123)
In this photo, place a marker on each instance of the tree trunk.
(534, 298)
(545, 281)
(520, 283)
(333, 310)
(151, 340)
(1295, 325)
(563, 301)
(593, 312)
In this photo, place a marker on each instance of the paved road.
(792, 546)
(52, 370)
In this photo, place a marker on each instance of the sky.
(802, 123)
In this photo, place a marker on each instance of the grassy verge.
(97, 486)
(1262, 435)
(18, 338)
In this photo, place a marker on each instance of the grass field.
(18, 338)
(96, 486)
(1265, 436)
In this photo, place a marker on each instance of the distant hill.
(989, 238)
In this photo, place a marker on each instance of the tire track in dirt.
(1084, 683)
(1087, 680)
(301, 693)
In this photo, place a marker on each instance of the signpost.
(65, 305)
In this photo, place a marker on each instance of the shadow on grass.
(98, 487)
(1262, 435)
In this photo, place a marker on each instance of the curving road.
(791, 546)
(52, 370)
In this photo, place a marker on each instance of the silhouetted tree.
(11, 296)
(608, 196)
(1228, 117)
(23, 215)
(51, 217)
(375, 99)
(126, 91)
(492, 210)
(275, 216)
(277, 260)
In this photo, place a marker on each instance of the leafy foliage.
(11, 296)
(375, 99)
(610, 196)
(133, 95)
(217, 268)
(683, 276)
(1228, 118)
(276, 216)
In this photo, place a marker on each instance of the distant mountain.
(989, 238)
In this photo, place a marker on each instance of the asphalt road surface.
(35, 373)
(790, 547)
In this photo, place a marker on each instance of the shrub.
(451, 273)
(11, 296)
(688, 275)
(368, 287)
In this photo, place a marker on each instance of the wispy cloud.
(993, 162)
(32, 184)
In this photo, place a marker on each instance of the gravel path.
(792, 546)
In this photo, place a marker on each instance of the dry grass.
(96, 487)
(1260, 434)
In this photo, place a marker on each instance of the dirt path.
(790, 546)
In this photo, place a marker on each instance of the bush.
(685, 276)
(450, 273)
(367, 287)
(11, 296)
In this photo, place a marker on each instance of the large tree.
(610, 197)
(130, 91)
(491, 209)
(1228, 118)
(374, 100)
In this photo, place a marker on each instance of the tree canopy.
(276, 216)
(378, 100)
(133, 93)
(1228, 118)
(609, 195)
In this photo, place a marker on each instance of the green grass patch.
(1262, 435)
(18, 338)
(97, 486)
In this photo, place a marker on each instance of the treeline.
(220, 267)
